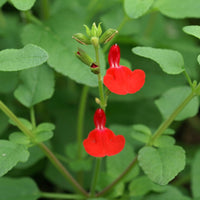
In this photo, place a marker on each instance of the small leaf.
(19, 138)
(196, 175)
(10, 155)
(169, 101)
(164, 141)
(36, 154)
(137, 8)
(25, 122)
(198, 59)
(43, 136)
(2, 2)
(143, 185)
(18, 59)
(23, 4)
(169, 131)
(18, 189)
(170, 61)
(171, 193)
(192, 30)
(141, 133)
(163, 164)
(178, 8)
(37, 84)
(45, 127)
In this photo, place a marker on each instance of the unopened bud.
(87, 30)
(95, 68)
(97, 100)
(81, 38)
(95, 41)
(94, 30)
(99, 30)
(84, 57)
(108, 35)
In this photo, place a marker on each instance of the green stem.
(120, 177)
(60, 196)
(62, 169)
(95, 177)
(188, 78)
(81, 113)
(46, 150)
(100, 83)
(14, 118)
(168, 121)
(32, 116)
(44, 9)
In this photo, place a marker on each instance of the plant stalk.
(95, 177)
(120, 177)
(46, 150)
(60, 196)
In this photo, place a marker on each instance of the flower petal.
(94, 144)
(114, 56)
(136, 81)
(104, 142)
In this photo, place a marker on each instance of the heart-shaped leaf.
(163, 164)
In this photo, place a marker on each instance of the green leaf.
(18, 59)
(163, 164)
(45, 127)
(18, 189)
(196, 175)
(141, 133)
(178, 8)
(2, 2)
(170, 61)
(8, 81)
(61, 48)
(198, 59)
(25, 122)
(19, 138)
(164, 141)
(142, 185)
(36, 154)
(192, 30)
(172, 98)
(118, 163)
(43, 136)
(170, 193)
(37, 84)
(10, 155)
(23, 4)
(137, 8)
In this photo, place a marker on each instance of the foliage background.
(64, 76)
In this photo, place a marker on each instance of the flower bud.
(94, 30)
(95, 68)
(81, 38)
(87, 30)
(84, 57)
(99, 30)
(108, 35)
(95, 41)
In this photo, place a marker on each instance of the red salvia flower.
(120, 79)
(102, 141)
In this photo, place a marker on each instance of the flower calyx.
(81, 38)
(108, 35)
(94, 68)
(84, 57)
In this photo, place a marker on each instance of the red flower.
(120, 79)
(102, 141)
